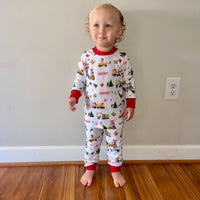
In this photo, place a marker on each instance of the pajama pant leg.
(114, 147)
(93, 143)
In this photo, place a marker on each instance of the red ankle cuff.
(114, 169)
(91, 167)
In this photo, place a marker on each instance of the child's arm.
(79, 85)
(128, 113)
(129, 88)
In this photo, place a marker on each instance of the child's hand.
(71, 102)
(128, 113)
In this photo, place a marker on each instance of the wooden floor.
(165, 181)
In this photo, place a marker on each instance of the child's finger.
(128, 117)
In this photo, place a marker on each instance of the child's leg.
(94, 139)
(93, 143)
(114, 142)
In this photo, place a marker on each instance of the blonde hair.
(105, 5)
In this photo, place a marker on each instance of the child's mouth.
(102, 38)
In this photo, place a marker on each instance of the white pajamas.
(107, 81)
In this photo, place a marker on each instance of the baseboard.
(76, 153)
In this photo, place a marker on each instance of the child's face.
(105, 28)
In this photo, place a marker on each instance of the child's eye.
(108, 25)
(96, 25)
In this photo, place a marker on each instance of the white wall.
(41, 42)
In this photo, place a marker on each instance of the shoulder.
(87, 54)
(122, 54)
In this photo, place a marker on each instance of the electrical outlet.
(172, 88)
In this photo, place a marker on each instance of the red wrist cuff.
(76, 94)
(130, 102)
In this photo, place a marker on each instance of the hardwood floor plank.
(3, 171)
(79, 189)
(11, 183)
(187, 183)
(149, 182)
(68, 181)
(143, 178)
(165, 183)
(130, 189)
(52, 183)
(180, 183)
(193, 171)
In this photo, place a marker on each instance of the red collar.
(101, 53)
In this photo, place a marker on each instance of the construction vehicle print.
(118, 159)
(93, 139)
(98, 106)
(129, 87)
(87, 96)
(91, 76)
(108, 134)
(116, 72)
(112, 125)
(103, 116)
(119, 83)
(103, 64)
(113, 144)
(80, 71)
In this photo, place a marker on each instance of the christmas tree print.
(95, 85)
(133, 91)
(104, 127)
(90, 114)
(110, 84)
(121, 95)
(131, 72)
(115, 105)
(98, 151)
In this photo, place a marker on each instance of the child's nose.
(102, 29)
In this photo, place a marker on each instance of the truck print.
(98, 106)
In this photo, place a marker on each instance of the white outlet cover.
(172, 88)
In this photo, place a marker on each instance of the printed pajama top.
(106, 79)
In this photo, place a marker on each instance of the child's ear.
(120, 32)
(88, 29)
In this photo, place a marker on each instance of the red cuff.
(114, 169)
(91, 167)
(76, 94)
(130, 102)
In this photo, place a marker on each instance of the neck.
(111, 51)
(104, 49)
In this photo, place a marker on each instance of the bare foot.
(118, 179)
(87, 177)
